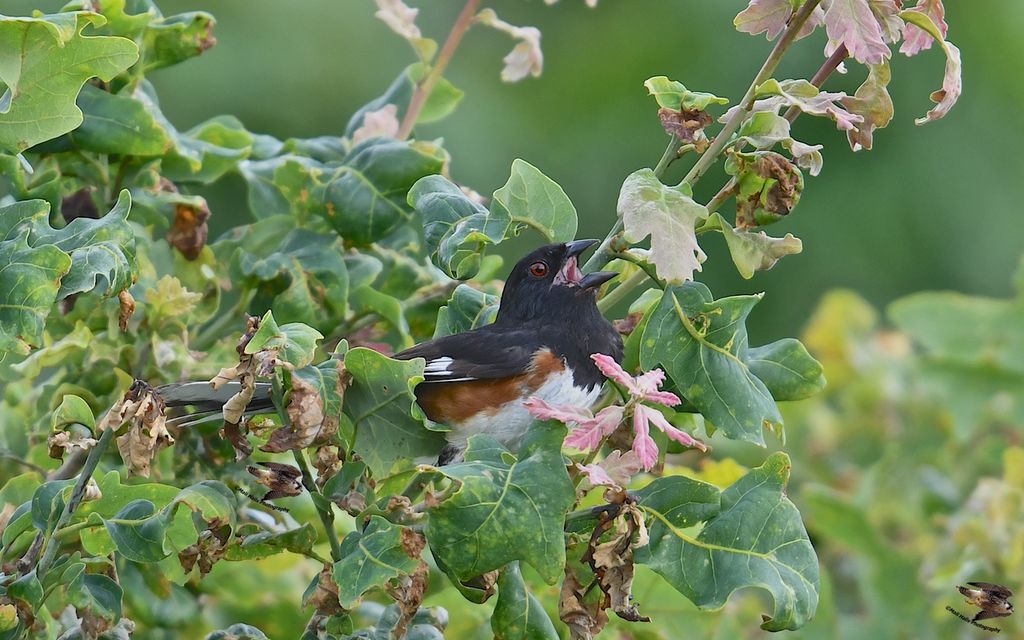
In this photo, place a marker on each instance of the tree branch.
(426, 85)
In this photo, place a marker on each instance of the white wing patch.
(437, 371)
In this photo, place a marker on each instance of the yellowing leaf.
(871, 102)
(648, 207)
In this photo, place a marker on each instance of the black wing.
(480, 354)
(997, 590)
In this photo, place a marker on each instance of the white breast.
(509, 424)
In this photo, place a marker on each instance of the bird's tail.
(208, 402)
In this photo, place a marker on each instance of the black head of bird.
(549, 284)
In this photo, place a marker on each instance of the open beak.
(576, 247)
(596, 279)
(571, 273)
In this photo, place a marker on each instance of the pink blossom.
(590, 429)
(643, 444)
(643, 387)
(654, 416)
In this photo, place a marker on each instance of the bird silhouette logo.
(992, 599)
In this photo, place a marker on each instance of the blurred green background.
(933, 207)
(897, 465)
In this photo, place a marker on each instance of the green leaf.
(648, 207)
(873, 103)
(468, 308)
(535, 200)
(764, 129)
(702, 344)
(102, 251)
(367, 299)
(48, 502)
(753, 251)
(455, 228)
(210, 499)
(362, 197)
(787, 369)
(756, 539)
(177, 38)
(304, 271)
(97, 594)
(380, 403)
(295, 342)
(671, 94)
(505, 508)
(72, 410)
(237, 631)
(139, 531)
(206, 152)
(441, 102)
(518, 615)
(372, 557)
(44, 61)
(118, 124)
(27, 589)
(263, 544)
(29, 281)
(115, 497)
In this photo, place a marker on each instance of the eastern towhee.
(547, 326)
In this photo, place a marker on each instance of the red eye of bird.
(538, 269)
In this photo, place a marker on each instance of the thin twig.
(426, 85)
(326, 517)
(747, 102)
(77, 494)
(603, 253)
(827, 69)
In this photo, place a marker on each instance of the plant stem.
(827, 69)
(671, 155)
(426, 85)
(602, 255)
(326, 517)
(618, 293)
(648, 269)
(76, 498)
(747, 102)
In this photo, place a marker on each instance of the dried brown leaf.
(408, 592)
(687, 125)
(325, 598)
(584, 620)
(125, 310)
(305, 419)
(189, 231)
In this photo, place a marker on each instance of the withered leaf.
(325, 597)
(125, 310)
(305, 419)
(687, 125)
(585, 620)
(207, 550)
(143, 411)
(408, 592)
(189, 231)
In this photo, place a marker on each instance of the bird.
(539, 345)
(476, 382)
(992, 599)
